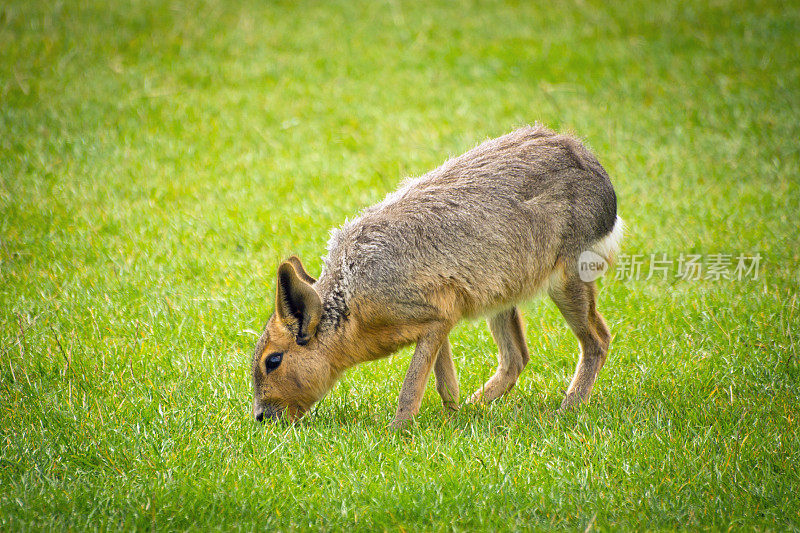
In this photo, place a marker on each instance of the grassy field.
(158, 159)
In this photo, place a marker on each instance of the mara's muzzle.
(269, 412)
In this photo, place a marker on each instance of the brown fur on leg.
(509, 335)
(576, 301)
(446, 378)
(419, 370)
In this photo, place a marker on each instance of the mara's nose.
(267, 412)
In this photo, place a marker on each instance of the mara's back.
(488, 227)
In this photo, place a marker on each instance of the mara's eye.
(272, 361)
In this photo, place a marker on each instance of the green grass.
(158, 159)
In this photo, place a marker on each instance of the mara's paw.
(572, 401)
(400, 425)
(451, 407)
(477, 397)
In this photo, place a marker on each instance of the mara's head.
(290, 370)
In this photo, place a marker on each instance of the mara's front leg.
(446, 377)
(425, 354)
(509, 335)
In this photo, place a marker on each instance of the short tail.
(608, 246)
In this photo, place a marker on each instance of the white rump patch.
(595, 261)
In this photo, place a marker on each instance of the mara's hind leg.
(446, 378)
(509, 335)
(576, 300)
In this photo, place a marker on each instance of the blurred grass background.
(158, 159)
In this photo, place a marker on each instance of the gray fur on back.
(490, 225)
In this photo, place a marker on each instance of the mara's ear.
(298, 266)
(297, 304)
